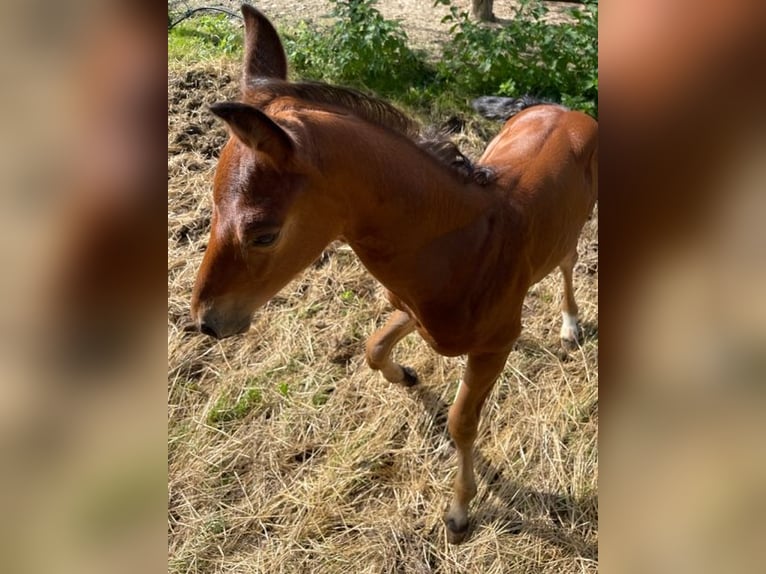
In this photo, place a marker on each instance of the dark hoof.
(456, 534)
(569, 345)
(410, 377)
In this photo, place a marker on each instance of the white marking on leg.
(568, 327)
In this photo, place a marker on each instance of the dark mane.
(366, 107)
(373, 110)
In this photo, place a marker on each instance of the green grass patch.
(227, 410)
(320, 398)
(347, 296)
(205, 38)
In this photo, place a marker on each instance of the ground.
(421, 20)
(287, 454)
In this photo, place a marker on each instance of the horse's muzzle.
(208, 330)
(220, 330)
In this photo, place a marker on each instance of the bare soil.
(420, 19)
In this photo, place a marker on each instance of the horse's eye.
(264, 239)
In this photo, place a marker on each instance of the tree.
(482, 10)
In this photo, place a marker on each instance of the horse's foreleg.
(381, 343)
(569, 326)
(480, 375)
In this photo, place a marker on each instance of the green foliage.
(204, 37)
(525, 56)
(360, 48)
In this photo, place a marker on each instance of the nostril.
(208, 330)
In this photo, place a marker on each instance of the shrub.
(360, 48)
(526, 56)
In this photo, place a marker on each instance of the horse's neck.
(403, 208)
(409, 207)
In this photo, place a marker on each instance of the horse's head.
(267, 225)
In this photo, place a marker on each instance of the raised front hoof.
(456, 533)
(410, 377)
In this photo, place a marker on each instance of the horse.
(307, 164)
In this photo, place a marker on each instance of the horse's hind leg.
(381, 343)
(569, 326)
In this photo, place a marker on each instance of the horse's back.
(542, 136)
(546, 161)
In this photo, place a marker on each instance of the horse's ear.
(255, 129)
(264, 54)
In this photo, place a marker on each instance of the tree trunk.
(482, 10)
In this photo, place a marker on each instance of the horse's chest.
(453, 331)
(462, 325)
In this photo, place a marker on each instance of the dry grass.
(287, 454)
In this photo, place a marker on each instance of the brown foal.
(307, 164)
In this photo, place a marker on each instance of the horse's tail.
(499, 108)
